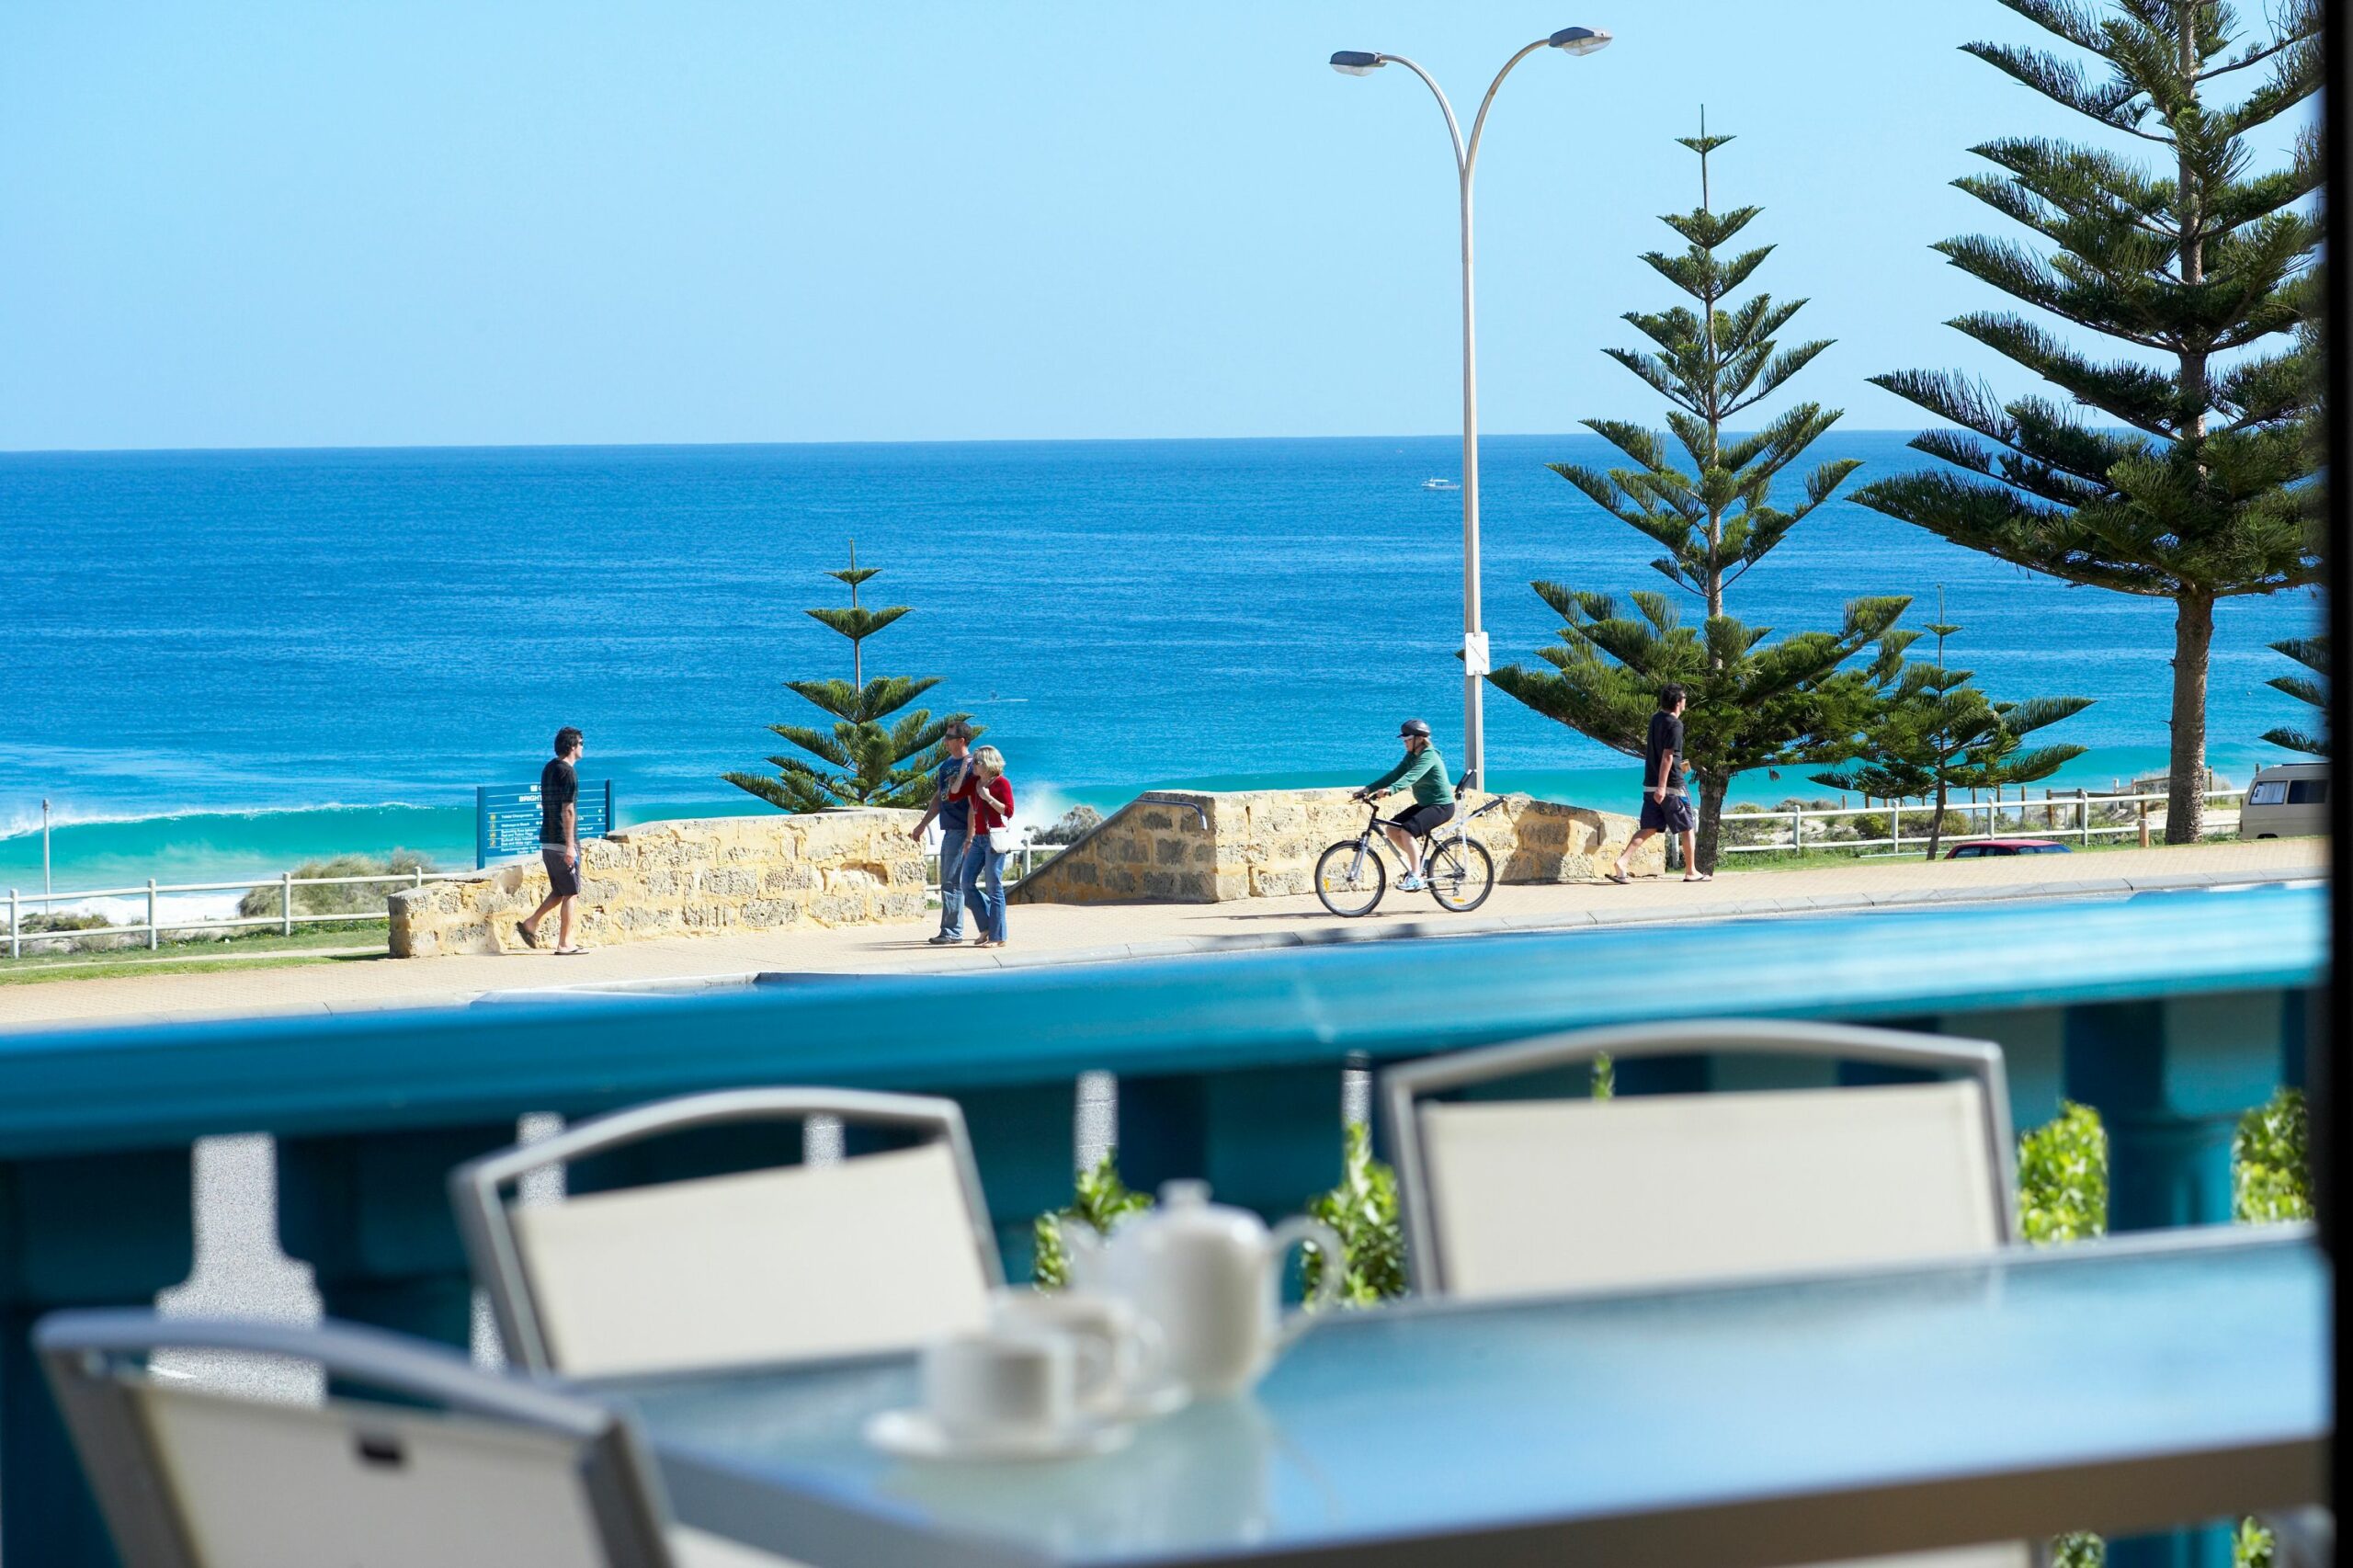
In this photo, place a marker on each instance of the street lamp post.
(1357, 63)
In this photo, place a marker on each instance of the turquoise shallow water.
(227, 661)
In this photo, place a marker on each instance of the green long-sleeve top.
(1424, 771)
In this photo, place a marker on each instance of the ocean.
(222, 662)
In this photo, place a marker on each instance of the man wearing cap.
(955, 829)
(1424, 772)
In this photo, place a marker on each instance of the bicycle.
(1350, 876)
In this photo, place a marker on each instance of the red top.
(992, 806)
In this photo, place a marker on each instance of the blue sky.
(412, 221)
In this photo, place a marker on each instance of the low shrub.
(2271, 1162)
(1101, 1200)
(345, 898)
(2062, 1178)
(32, 923)
(1362, 1210)
(1071, 826)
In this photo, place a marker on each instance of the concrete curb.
(1419, 927)
(2110, 887)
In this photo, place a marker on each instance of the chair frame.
(1403, 1086)
(84, 1352)
(477, 1188)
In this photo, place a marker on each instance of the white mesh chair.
(1516, 1197)
(468, 1471)
(875, 1253)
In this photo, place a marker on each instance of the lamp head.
(1357, 63)
(1570, 40)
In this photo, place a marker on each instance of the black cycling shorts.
(1423, 818)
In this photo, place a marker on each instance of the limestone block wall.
(1186, 848)
(696, 877)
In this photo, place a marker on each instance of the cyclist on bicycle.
(1433, 800)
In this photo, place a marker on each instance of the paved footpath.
(1078, 934)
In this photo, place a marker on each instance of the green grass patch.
(327, 942)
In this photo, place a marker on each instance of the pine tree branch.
(2310, 652)
(2023, 275)
(2300, 24)
(2064, 82)
(1782, 368)
(1636, 442)
(1999, 522)
(1708, 229)
(2303, 688)
(2078, 24)
(1656, 375)
(2132, 394)
(2297, 741)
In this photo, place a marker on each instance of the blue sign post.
(507, 818)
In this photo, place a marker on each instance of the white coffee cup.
(989, 1381)
(1120, 1353)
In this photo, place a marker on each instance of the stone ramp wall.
(697, 877)
(1181, 847)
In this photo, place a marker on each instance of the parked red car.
(1978, 847)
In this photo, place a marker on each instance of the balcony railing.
(2170, 1014)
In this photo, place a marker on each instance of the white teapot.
(1211, 1276)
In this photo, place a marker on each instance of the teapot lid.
(1192, 1193)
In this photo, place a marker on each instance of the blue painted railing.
(2168, 1013)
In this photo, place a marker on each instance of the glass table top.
(1438, 1420)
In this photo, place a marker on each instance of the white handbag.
(1002, 842)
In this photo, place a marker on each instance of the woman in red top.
(990, 793)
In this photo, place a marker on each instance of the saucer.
(913, 1434)
(1151, 1403)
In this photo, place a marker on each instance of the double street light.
(1357, 63)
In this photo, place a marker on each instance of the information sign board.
(507, 818)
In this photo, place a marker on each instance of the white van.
(2285, 801)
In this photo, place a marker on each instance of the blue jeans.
(952, 842)
(984, 886)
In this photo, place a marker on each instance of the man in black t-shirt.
(1665, 808)
(559, 841)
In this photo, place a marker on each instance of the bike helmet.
(1414, 727)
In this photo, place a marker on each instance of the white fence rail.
(2063, 816)
(158, 921)
(285, 917)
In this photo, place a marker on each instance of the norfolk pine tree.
(1753, 704)
(2198, 269)
(866, 762)
(1936, 731)
(2312, 654)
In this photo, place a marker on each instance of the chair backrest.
(470, 1470)
(1506, 1197)
(877, 1252)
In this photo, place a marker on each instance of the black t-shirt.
(1666, 736)
(559, 787)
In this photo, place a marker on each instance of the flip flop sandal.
(1709, 876)
(569, 952)
(531, 937)
(1620, 878)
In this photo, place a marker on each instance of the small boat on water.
(1440, 484)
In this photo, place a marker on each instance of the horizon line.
(922, 442)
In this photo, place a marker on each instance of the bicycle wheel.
(1349, 878)
(1461, 874)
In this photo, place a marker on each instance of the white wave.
(23, 822)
